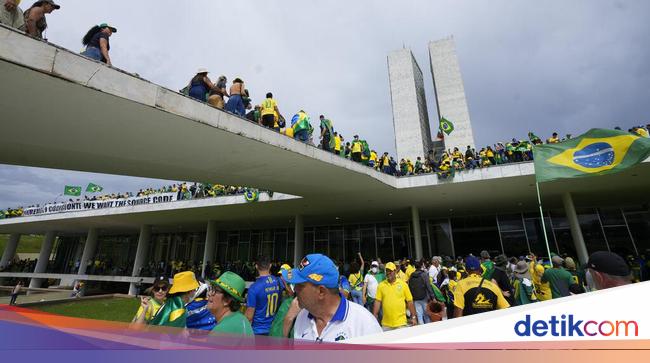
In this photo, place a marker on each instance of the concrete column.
(417, 232)
(299, 241)
(574, 224)
(10, 250)
(43, 258)
(89, 250)
(140, 254)
(210, 244)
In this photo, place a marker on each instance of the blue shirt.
(264, 295)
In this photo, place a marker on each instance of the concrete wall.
(450, 93)
(410, 117)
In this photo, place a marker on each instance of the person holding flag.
(301, 126)
(326, 132)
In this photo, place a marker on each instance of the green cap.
(232, 284)
(105, 25)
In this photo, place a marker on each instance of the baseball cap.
(374, 263)
(391, 266)
(105, 25)
(472, 263)
(609, 263)
(557, 260)
(315, 268)
(51, 2)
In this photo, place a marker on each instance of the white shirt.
(351, 320)
(433, 273)
(371, 284)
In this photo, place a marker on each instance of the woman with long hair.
(200, 85)
(97, 44)
(150, 304)
(35, 23)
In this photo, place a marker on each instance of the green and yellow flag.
(596, 152)
(446, 126)
(72, 190)
(94, 188)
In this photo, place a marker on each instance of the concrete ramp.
(62, 110)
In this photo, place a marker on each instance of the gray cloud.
(540, 66)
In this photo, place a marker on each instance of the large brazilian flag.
(596, 152)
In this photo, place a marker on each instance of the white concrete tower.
(450, 93)
(410, 117)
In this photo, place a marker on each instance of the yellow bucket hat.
(284, 267)
(183, 282)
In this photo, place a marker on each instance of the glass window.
(368, 248)
(564, 242)
(222, 249)
(474, 234)
(309, 242)
(514, 243)
(618, 239)
(266, 249)
(385, 249)
(510, 222)
(321, 247)
(336, 243)
(441, 244)
(639, 223)
(280, 245)
(352, 231)
(401, 241)
(256, 239)
(591, 231)
(383, 230)
(351, 249)
(559, 219)
(242, 254)
(290, 250)
(611, 217)
(244, 236)
(536, 236)
(321, 234)
(233, 242)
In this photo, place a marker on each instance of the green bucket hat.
(232, 284)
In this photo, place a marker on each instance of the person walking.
(370, 284)
(35, 22)
(97, 43)
(422, 292)
(15, 292)
(393, 298)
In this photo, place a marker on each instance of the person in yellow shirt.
(409, 167)
(356, 149)
(269, 111)
(475, 294)
(641, 131)
(337, 143)
(554, 139)
(385, 163)
(394, 297)
(372, 162)
(543, 289)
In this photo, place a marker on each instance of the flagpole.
(541, 214)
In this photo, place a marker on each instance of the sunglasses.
(159, 289)
(304, 263)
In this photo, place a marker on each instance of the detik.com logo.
(569, 326)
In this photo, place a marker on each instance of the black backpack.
(417, 286)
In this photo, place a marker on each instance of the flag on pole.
(446, 126)
(72, 190)
(94, 188)
(597, 152)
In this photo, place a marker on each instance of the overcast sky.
(544, 66)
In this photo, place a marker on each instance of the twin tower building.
(413, 136)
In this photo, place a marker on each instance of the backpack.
(417, 286)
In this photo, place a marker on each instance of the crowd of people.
(318, 301)
(183, 190)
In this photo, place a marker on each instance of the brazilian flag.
(596, 152)
(94, 188)
(446, 126)
(72, 190)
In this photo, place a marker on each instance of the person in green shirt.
(559, 278)
(487, 265)
(224, 301)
